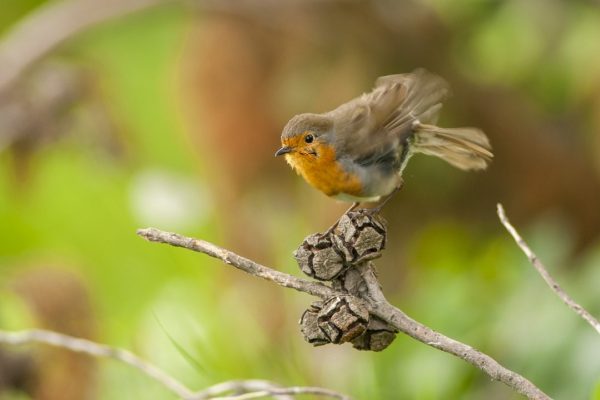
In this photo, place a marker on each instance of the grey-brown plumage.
(374, 135)
(406, 106)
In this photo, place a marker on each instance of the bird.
(358, 151)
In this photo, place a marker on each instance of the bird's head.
(306, 138)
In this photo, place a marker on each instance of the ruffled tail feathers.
(464, 148)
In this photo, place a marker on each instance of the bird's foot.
(373, 210)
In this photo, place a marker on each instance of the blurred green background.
(169, 117)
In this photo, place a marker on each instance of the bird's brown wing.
(378, 122)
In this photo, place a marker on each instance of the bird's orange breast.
(324, 172)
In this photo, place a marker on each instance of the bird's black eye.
(309, 138)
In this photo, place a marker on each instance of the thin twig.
(541, 269)
(285, 391)
(85, 346)
(256, 389)
(238, 386)
(376, 305)
(253, 387)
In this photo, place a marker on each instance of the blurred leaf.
(504, 48)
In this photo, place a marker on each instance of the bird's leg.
(332, 227)
(376, 210)
(352, 207)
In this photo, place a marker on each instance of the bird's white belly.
(353, 199)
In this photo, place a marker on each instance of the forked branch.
(373, 300)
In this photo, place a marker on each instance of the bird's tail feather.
(464, 148)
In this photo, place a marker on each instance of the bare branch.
(424, 334)
(246, 265)
(285, 391)
(256, 389)
(238, 386)
(375, 303)
(98, 350)
(252, 388)
(428, 336)
(541, 269)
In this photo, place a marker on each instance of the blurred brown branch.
(373, 300)
(49, 26)
(52, 24)
(541, 269)
(36, 98)
(252, 389)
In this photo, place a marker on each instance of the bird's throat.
(324, 172)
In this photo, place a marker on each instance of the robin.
(358, 151)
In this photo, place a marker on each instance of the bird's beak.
(283, 150)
